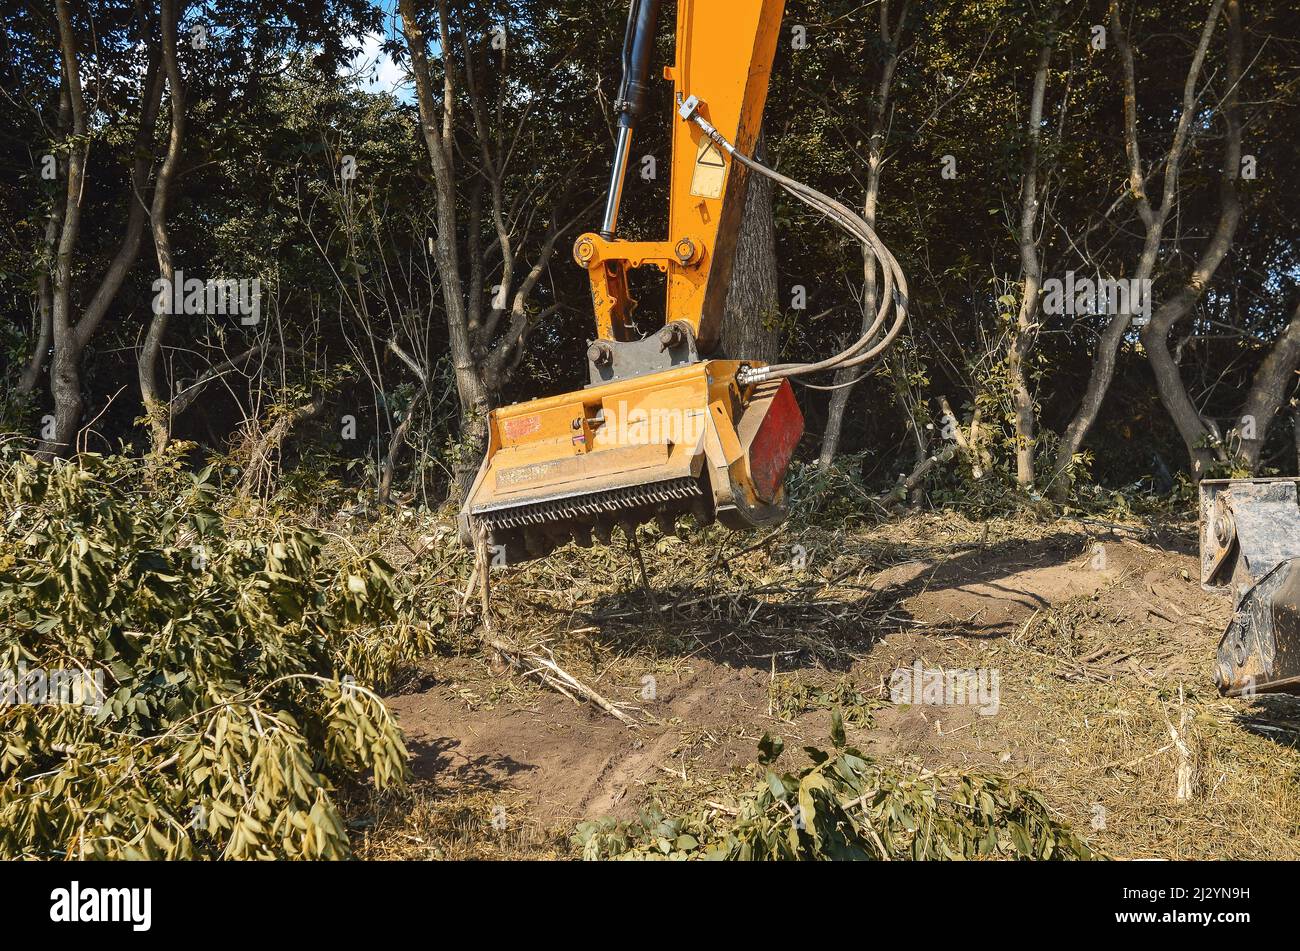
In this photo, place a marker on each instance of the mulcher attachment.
(609, 506)
(685, 441)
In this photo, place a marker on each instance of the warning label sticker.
(710, 170)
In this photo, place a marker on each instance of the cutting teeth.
(597, 503)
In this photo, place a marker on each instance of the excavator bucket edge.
(1250, 549)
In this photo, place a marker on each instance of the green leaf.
(769, 748)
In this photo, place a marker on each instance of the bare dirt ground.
(1100, 636)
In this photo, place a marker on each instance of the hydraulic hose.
(894, 294)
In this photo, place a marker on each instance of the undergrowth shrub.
(838, 495)
(845, 805)
(830, 494)
(218, 706)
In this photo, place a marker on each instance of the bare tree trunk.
(44, 303)
(129, 250)
(889, 38)
(31, 376)
(436, 125)
(843, 379)
(396, 450)
(749, 329)
(1022, 338)
(69, 339)
(65, 378)
(1201, 436)
(487, 339)
(155, 402)
(969, 444)
(1103, 368)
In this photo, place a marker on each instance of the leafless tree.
(1154, 220)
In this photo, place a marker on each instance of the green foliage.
(833, 493)
(344, 264)
(228, 711)
(845, 805)
(792, 696)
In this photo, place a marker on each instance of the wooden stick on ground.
(554, 676)
(634, 544)
(899, 494)
(529, 662)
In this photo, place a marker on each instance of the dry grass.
(1091, 686)
(1100, 743)
(424, 823)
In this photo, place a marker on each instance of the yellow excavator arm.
(723, 62)
(662, 430)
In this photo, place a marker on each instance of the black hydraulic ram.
(638, 47)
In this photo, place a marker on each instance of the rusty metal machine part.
(1250, 548)
(1260, 651)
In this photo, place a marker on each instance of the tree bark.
(436, 126)
(1201, 436)
(44, 303)
(1268, 390)
(750, 329)
(65, 379)
(1022, 338)
(889, 37)
(69, 340)
(128, 251)
(156, 404)
(487, 338)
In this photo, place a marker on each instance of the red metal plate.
(775, 441)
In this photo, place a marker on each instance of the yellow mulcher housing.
(659, 432)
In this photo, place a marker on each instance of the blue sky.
(374, 70)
